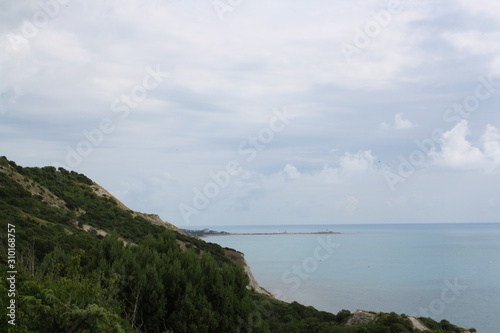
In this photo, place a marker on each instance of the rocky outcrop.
(366, 317)
(417, 325)
(362, 317)
(89, 228)
(156, 219)
(153, 218)
(33, 187)
(238, 259)
(102, 192)
(254, 285)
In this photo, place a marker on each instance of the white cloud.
(491, 144)
(495, 66)
(329, 175)
(487, 7)
(63, 81)
(457, 152)
(355, 164)
(399, 123)
(318, 194)
(350, 166)
(291, 172)
(474, 41)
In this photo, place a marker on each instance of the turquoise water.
(443, 271)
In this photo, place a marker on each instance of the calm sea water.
(443, 271)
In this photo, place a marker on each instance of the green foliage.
(399, 328)
(136, 279)
(430, 323)
(343, 316)
(397, 323)
(448, 327)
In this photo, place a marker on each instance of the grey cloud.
(226, 77)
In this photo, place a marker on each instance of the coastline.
(277, 233)
(360, 267)
(207, 232)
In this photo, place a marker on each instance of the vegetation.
(204, 232)
(139, 277)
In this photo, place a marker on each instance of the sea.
(442, 271)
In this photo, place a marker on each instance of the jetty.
(279, 233)
(207, 232)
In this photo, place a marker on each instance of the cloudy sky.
(238, 112)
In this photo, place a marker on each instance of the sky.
(238, 112)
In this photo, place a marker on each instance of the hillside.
(79, 260)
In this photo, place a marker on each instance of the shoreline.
(273, 233)
(208, 232)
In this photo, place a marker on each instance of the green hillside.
(75, 259)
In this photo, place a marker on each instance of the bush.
(398, 328)
(343, 316)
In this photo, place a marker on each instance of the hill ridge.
(78, 273)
